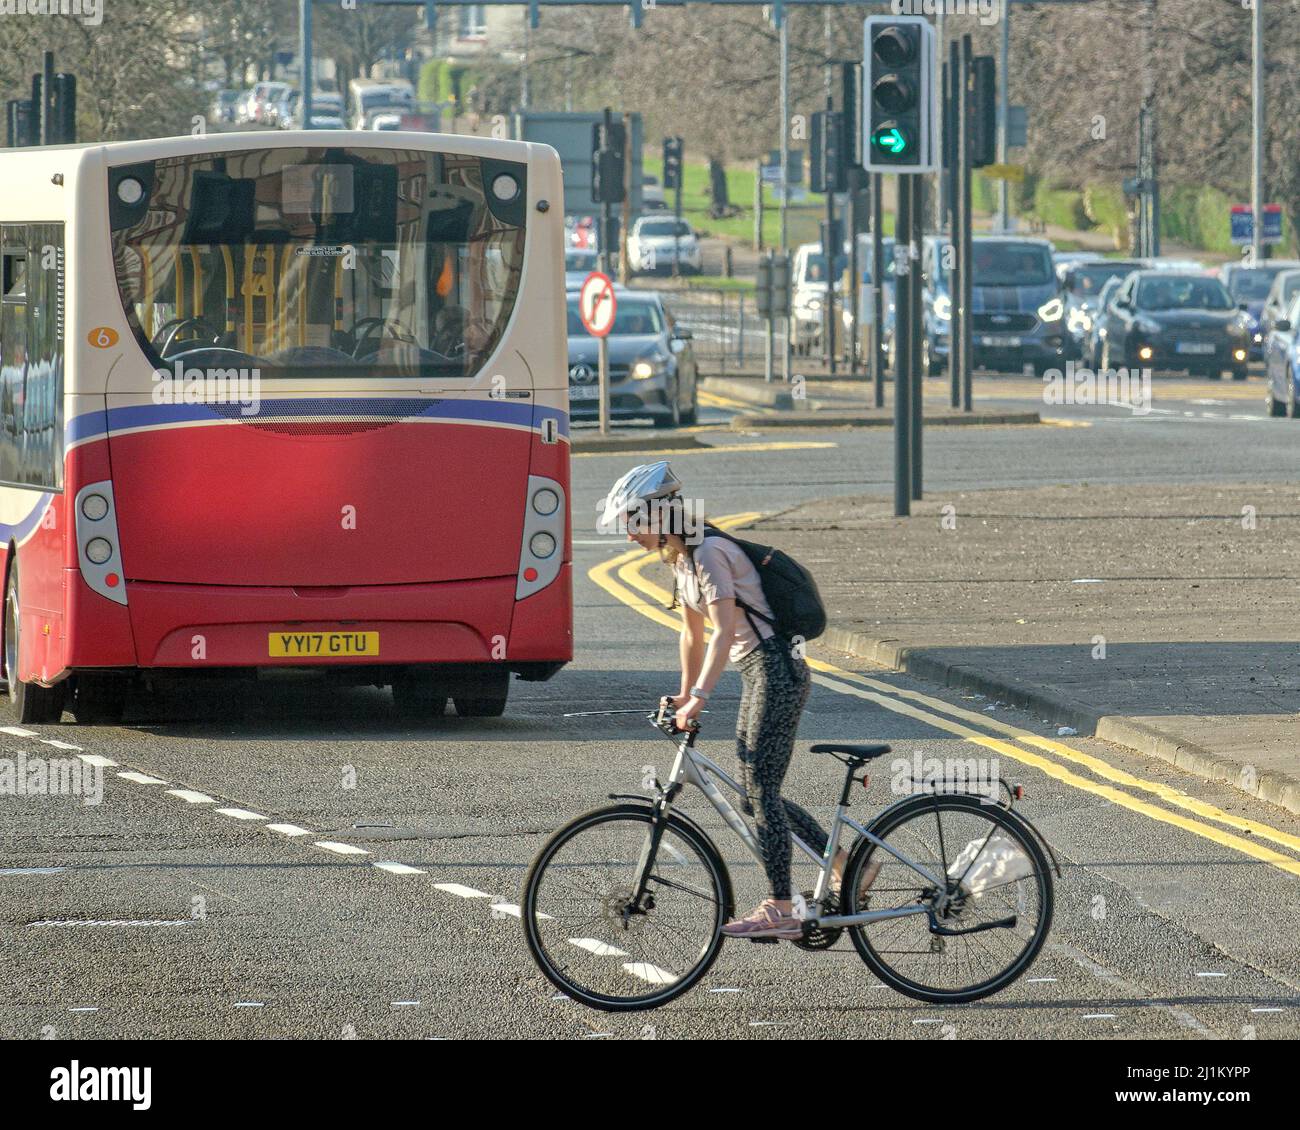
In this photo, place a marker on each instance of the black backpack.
(791, 592)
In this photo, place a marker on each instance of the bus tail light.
(98, 552)
(542, 552)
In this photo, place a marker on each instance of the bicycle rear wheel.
(580, 925)
(992, 895)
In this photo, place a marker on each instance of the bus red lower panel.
(229, 626)
(542, 628)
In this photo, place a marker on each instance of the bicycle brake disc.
(820, 937)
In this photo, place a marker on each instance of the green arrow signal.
(891, 140)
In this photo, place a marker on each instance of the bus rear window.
(324, 261)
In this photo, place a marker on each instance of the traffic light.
(64, 115)
(984, 112)
(607, 160)
(829, 172)
(901, 102)
(672, 162)
(772, 290)
(851, 114)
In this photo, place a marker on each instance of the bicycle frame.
(691, 767)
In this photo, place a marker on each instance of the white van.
(809, 275)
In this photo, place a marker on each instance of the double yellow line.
(623, 578)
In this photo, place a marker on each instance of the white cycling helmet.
(641, 484)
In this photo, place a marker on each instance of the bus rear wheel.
(487, 699)
(30, 701)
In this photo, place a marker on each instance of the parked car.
(1249, 287)
(1286, 285)
(656, 241)
(1167, 320)
(1017, 308)
(652, 369)
(1282, 363)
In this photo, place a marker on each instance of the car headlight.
(1052, 311)
(1147, 326)
(943, 309)
(814, 304)
(1079, 322)
(643, 370)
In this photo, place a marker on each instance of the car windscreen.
(1088, 281)
(1251, 283)
(634, 316)
(320, 261)
(668, 228)
(1183, 292)
(1011, 264)
(815, 270)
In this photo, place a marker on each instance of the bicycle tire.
(642, 813)
(898, 814)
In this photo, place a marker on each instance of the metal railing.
(727, 332)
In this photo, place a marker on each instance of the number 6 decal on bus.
(102, 337)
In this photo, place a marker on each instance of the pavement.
(826, 402)
(1147, 616)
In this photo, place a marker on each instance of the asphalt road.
(197, 900)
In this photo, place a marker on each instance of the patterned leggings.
(776, 686)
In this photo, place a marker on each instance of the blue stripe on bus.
(26, 525)
(89, 425)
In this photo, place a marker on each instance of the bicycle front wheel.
(599, 944)
(984, 884)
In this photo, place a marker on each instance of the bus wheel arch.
(31, 702)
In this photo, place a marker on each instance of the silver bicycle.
(947, 896)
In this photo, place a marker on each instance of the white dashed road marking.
(140, 778)
(240, 814)
(190, 796)
(341, 849)
(463, 891)
(600, 949)
(649, 973)
(288, 829)
(399, 869)
(96, 760)
(58, 744)
(19, 732)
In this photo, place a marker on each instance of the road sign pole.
(783, 19)
(902, 350)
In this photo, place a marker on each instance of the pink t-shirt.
(722, 570)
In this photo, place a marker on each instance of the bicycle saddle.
(859, 752)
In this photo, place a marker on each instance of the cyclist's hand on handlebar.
(674, 700)
(687, 714)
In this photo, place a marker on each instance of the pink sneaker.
(765, 921)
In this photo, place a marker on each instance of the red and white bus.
(293, 400)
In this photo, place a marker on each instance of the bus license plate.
(335, 645)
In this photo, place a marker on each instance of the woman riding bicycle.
(716, 581)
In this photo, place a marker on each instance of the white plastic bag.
(991, 863)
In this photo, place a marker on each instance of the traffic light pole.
(903, 349)
(967, 220)
(875, 366)
(916, 326)
(830, 253)
(953, 180)
(607, 261)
